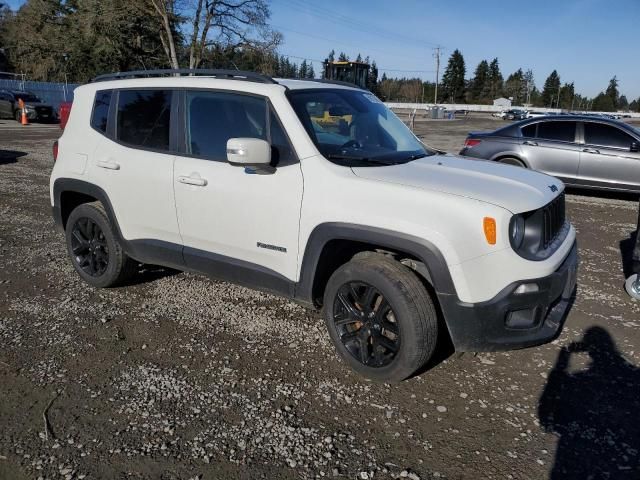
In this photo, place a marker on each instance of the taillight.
(65, 111)
(471, 142)
(55, 150)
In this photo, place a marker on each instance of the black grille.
(553, 219)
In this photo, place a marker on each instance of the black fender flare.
(62, 185)
(425, 251)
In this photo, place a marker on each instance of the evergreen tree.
(453, 78)
(310, 72)
(550, 91)
(359, 58)
(603, 103)
(513, 87)
(612, 92)
(332, 56)
(567, 96)
(480, 81)
(343, 57)
(303, 72)
(372, 78)
(495, 80)
(623, 103)
(635, 105)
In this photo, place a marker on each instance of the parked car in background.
(535, 114)
(583, 151)
(36, 109)
(515, 114)
(500, 114)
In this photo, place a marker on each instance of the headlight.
(516, 231)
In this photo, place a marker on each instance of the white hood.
(513, 188)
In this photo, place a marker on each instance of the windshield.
(352, 125)
(26, 97)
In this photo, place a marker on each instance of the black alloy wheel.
(366, 324)
(89, 247)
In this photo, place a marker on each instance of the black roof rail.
(334, 82)
(188, 72)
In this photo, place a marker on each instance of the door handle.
(108, 165)
(590, 150)
(530, 143)
(197, 181)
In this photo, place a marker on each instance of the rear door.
(606, 158)
(133, 163)
(551, 147)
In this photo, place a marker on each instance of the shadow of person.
(630, 252)
(595, 412)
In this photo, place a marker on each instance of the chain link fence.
(51, 93)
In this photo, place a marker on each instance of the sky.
(586, 41)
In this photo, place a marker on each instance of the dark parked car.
(36, 109)
(515, 114)
(583, 151)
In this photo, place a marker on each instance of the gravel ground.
(179, 377)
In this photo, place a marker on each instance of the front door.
(606, 159)
(237, 223)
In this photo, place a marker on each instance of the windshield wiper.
(336, 156)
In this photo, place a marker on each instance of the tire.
(632, 286)
(380, 318)
(94, 249)
(512, 161)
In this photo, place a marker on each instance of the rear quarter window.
(100, 114)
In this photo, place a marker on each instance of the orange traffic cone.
(23, 118)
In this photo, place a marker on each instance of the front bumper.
(510, 320)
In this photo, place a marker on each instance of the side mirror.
(635, 147)
(251, 153)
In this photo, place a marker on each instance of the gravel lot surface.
(179, 377)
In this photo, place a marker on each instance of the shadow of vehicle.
(149, 273)
(10, 156)
(630, 248)
(593, 411)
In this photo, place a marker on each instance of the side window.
(100, 114)
(214, 117)
(144, 118)
(606, 136)
(281, 151)
(560, 131)
(529, 131)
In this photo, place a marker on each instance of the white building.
(502, 102)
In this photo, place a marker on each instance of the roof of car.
(190, 75)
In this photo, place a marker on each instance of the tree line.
(76, 40)
(488, 83)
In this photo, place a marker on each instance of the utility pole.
(436, 55)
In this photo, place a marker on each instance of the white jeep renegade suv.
(316, 191)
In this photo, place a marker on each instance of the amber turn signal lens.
(490, 232)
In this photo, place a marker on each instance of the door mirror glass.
(249, 152)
